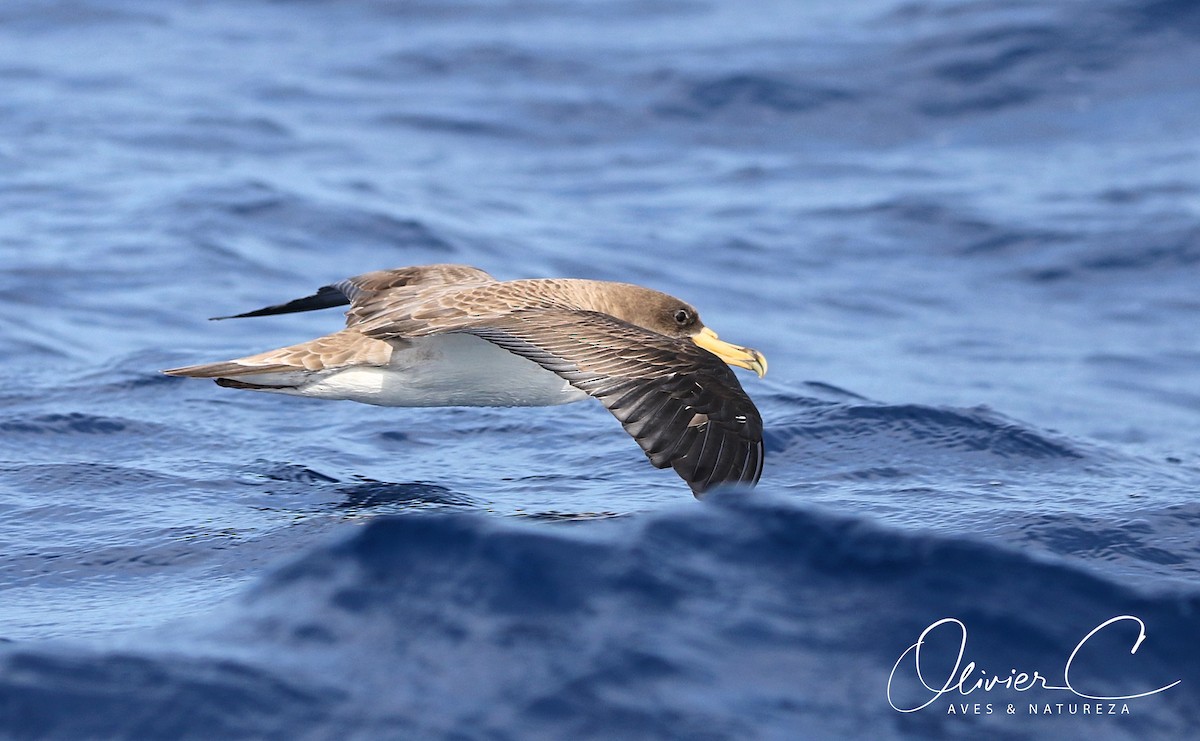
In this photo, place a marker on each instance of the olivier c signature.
(965, 682)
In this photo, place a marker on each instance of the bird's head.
(673, 317)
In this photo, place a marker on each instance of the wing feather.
(372, 293)
(682, 404)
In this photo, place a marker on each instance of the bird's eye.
(682, 317)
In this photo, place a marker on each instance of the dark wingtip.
(233, 383)
(325, 298)
(267, 311)
(742, 469)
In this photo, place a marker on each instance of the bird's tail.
(338, 350)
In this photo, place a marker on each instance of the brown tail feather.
(230, 368)
(340, 349)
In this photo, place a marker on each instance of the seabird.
(452, 335)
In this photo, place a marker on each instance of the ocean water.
(965, 233)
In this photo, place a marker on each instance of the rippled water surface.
(964, 233)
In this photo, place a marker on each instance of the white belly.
(445, 370)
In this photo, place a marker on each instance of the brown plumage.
(645, 355)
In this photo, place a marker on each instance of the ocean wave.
(69, 423)
(229, 135)
(744, 616)
(750, 92)
(1117, 254)
(911, 430)
(227, 210)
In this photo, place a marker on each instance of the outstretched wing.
(371, 293)
(681, 403)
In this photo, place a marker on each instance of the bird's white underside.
(442, 370)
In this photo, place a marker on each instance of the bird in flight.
(452, 335)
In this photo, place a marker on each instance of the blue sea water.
(966, 234)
